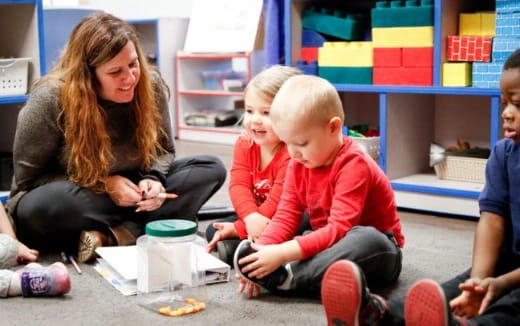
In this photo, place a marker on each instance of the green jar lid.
(171, 228)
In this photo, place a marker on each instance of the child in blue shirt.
(486, 294)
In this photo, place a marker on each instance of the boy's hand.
(253, 290)
(468, 304)
(255, 225)
(225, 230)
(25, 254)
(263, 262)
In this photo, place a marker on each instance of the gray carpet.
(436, 248)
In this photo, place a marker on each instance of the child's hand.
(26, 255)
(225, 230)
(263, 262)
(253, 290)
(469, 302)
(491, 288)
(255, 225)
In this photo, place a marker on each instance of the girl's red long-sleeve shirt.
(352, 191)
(251, 189)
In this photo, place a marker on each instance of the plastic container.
(168, 280)
(14, 74)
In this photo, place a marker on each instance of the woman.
(93, 147)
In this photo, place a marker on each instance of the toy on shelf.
(505, 41)
(402, 37)
(402, 13)
(334, 22)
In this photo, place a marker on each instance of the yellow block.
(487, 23)
(479, 23)
(345, 54)
(402, 37)
(456, 74)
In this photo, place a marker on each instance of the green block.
(336, 23)
(409, 13)
(346, 75)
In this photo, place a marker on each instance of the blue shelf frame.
(437, 89)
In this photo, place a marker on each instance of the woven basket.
(460, 168)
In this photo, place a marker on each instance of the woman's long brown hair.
(96, 40)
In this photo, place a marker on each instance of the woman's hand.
(149, 190)
(122, 191)
(255, 225)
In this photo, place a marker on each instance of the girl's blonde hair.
(269, 81)
(96, 40)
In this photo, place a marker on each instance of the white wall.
(130, 9)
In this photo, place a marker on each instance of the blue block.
(310, 68)
(503, 47)
(312, 39)
(507, 6)
(3, 199)
(486, 74)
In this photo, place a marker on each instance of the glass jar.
(167, 273)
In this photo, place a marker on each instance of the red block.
(309, 54)
(387, 57)
(469, 48)
(416, 76)
(418, 57)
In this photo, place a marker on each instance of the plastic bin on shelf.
(14, 73)
(369, 145)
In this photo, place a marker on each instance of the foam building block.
(508, 24)
(399, 37)
(456, 74)
(345, 54)
(416, 76)
(418, 57)
(480, 23)
(469, 48)
(312, 38)
(486, 74)
(503, 46)
(403, 57)
(507, 6)
(333, 22)
(387, 57)
(310, 68)
(402, 13)
(346, 75)
(309, 54)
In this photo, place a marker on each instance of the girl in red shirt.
(258, 170)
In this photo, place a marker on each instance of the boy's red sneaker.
(426, 304)
(346, 298)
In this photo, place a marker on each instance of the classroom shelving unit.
(22, 24)
(192, 96)
(410, 118)
(161, 38)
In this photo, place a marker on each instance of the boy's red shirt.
(251, 189)
(352, 191)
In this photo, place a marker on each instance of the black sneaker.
(426, 304)
(226, 250)
(270, 282)
(346, 299)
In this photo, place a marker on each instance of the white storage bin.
(14, 74)
(369, 145)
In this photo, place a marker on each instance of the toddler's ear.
(335, 125)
